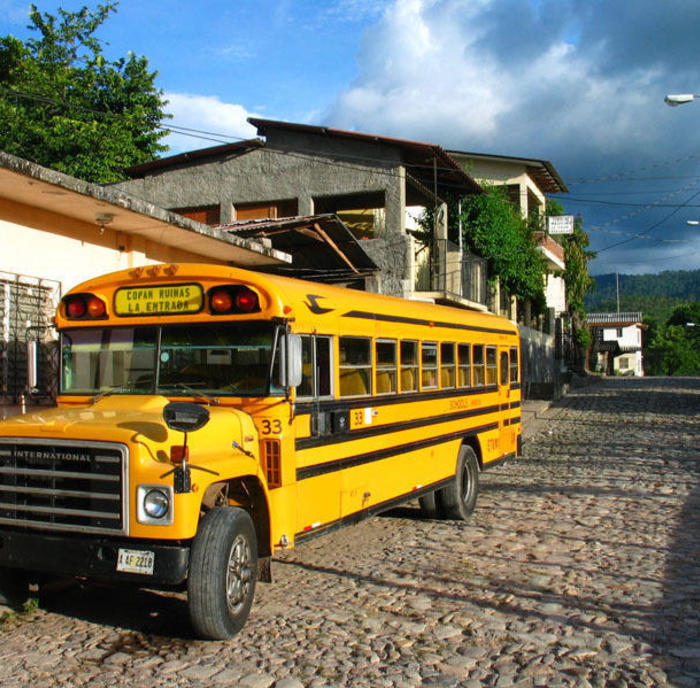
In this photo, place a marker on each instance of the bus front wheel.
(457, 500)
(222, 574)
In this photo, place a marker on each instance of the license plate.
(135, 561)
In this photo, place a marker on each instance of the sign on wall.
(560, 224)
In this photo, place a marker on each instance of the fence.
(27, 307)
(456, 272)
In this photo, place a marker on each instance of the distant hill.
(654, 295)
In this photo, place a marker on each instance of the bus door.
(507, 432)
(317, 382)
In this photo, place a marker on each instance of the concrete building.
(616, 343)
(370, 182)
(58, 231)
(527, 181)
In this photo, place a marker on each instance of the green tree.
(578, 282)
(64, 105)
(674, 350)
(494, 229)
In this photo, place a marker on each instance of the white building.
(616, 343)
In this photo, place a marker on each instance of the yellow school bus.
(210, 416)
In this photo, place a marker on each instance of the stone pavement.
(580, 567)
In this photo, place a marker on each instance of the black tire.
(222, 573)
(457, 501)
(429, 505)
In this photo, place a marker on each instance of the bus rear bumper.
(91, 557)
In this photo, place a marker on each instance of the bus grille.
(63, 485)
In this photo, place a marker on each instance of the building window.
(261, 210)
(363, 213)
(207, 214)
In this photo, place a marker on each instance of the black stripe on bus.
(386, 400)
(332, 526)
(378, 455)
(376, 430)
(427, 323)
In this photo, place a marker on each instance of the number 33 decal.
(271, 427)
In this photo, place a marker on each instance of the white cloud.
(222, 122)
(431, 69)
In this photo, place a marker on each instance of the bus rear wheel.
(457, 500)
(223, 570)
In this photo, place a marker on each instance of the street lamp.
(674, 99)
(692, 222)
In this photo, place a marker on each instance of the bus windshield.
(221, 358)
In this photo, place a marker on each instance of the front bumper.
(91, 557)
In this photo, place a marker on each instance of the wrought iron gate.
(27, 307)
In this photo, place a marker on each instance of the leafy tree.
(578, 281)
(674, 348)
(65, 106)
(673, 351)
(494, 229)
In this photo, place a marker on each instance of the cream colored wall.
(503, 172)
(65, 259)
(39, 243)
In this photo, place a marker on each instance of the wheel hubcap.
(238, 574)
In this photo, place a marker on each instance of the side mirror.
(290, 368)
(185, 416)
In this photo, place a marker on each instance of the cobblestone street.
(580, 567)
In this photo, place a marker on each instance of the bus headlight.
(154, 504)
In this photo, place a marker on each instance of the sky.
(580, 83)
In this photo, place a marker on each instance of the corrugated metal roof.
(618, 319)
(322, 247)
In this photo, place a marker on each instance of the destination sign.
(162, 299)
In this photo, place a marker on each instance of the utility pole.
(617, 281)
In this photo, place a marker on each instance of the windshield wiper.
(201, 395)
(108, 392)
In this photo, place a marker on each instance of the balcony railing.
(458, 274)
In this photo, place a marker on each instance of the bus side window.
(355, 366)
(447, 365)
(409, 366)
(463, 365)
(479, 365)
(513, 365)
(491, 365)
(503, 368)
(429, 365)
(385, 356)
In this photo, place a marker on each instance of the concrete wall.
(542, 377)
(298, 167)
